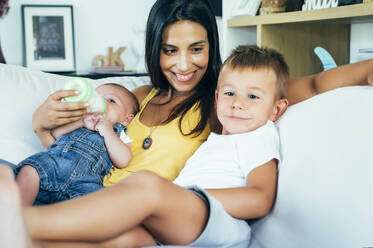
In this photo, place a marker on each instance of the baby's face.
(119, 105)
(245, 99)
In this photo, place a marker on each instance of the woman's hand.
(54, 113)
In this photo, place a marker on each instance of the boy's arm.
(119, 152)
(256, 199)
(303, 88)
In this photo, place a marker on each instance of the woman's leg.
(136, 237)
(12, 231)
(172, 214)
(28, 181)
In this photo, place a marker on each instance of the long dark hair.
(163, 14)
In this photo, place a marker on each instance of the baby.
(82, 154)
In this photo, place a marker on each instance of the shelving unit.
(296, 34)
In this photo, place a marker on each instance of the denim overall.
(72, 166)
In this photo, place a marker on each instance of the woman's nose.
(183, 62)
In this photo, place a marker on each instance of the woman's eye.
(197, 49)
(169, 51)
(111, 100)
(229, 93)
(253, 96)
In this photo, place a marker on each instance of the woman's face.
(184, 54)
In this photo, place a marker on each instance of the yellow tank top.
(169, 150)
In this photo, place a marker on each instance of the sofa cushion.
(22, 91)
(325, 183)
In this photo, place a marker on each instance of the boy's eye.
(253, 96)
(229, 93)
(111, 100)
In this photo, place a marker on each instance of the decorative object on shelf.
(349, 2)
(272, 6)
(319, 4)
(137, 46)
(326, 59)
(113, 59)
(293, 5)
(48, 37)
(4, 8)
(245, 7)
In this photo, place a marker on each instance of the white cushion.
(325, 183)
(22, 90)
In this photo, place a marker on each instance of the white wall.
(97, 25)
(361, 38)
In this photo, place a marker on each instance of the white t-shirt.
(224, 161)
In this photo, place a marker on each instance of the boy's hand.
(90, 121)
(104, 126)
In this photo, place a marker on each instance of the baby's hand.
(104, 126)
(90, 121)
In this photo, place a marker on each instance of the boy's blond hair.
(254, 57)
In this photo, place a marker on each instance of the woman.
(183, 59)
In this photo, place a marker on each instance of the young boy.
(250, 95)
(82, 154)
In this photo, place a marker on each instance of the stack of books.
(111, 68)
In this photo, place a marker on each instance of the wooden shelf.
(356, 13)
(296, 34)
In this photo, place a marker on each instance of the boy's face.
(119, 105)
(245, 99)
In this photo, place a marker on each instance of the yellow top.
(169, 150)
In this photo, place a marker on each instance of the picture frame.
(48, 37)
(245, 7)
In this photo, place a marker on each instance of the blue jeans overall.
(74, 165)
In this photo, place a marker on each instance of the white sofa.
(325, 187)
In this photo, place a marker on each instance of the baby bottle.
(86, 94)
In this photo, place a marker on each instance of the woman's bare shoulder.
(142, 91)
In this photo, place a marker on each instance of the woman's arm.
(256, 199)
(54, 113)
(302, 88)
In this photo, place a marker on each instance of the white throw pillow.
(325, 183)
(22, 90)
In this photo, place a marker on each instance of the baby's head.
(121, 104)
(251, 89)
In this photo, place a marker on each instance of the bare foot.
(12, 230)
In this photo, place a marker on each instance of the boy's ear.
(127, 119)
(279, 108)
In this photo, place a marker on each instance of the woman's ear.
(279, 108)
(216, 95)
